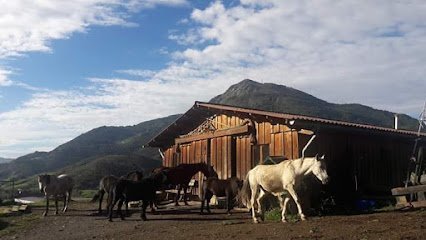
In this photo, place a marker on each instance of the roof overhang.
(200, 111)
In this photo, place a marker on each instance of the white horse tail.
(245, 193)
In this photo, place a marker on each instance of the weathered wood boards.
(408, 190)
(401, 198)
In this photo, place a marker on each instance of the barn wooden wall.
(235, 155)
(378, 162)
(363, 165)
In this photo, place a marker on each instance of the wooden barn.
(361, 159)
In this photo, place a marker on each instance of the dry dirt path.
(81, 222)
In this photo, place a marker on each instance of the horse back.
(59, 185)
(132, 190)
(107, 183)
(66, 181)
(221, 187)
(272, 178)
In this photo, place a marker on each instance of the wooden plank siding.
(224, 147)
(372, 163)
(359, 161)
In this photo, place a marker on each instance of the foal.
(228, 188)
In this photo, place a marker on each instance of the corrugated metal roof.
(305, 118)
(194, 116)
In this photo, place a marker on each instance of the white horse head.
(319, 169)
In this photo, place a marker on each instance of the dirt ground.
(82, 222)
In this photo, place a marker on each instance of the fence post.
(13, 190)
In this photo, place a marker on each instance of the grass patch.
(7, 203)
(13, 224)
(387, 208)
(87, 193)
(275, 216)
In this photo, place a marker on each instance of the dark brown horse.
(107, 183)
(144, 190)
(228, 188)
(181, 175)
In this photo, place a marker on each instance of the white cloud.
(138, 72)
(4, 79)
(28, 25)
(371, 52)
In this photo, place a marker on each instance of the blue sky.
(68, 67)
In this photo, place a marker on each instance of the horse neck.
(200, 168)
(208, 171)
(303, 166)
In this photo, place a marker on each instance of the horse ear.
(322, 157)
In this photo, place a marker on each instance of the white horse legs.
(259, 205)
(252, 203)
(256, 199)
(283, 204)
(293, 194)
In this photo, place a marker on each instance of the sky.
(67, 67)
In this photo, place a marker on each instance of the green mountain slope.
(279, 98)
(100, 143)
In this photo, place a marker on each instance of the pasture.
(185, 222)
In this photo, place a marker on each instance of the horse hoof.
(255, 221)
(303, 218)
(283, 221)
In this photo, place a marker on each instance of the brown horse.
(181, 175)
(107, 183)
(228, 188)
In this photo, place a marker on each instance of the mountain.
(118, 148)
(279, 98)
(5, 160)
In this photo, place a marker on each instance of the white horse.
(56, 186)
(277, 179)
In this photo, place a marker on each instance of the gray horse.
(56, 186)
